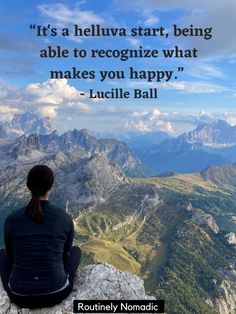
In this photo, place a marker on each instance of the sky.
(204, 91)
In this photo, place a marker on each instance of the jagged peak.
(83, 132)
(217, 124)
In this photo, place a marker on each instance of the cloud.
(200, 13)
(170, 122)
(47, 97)
(48, 111)
(53, 91)
(7, 112)
(139, 126)
(151, 20)
(196, 118)
(183, 86)
(168, 128)
(206, 71)
(65, 16)
(148, 121)
(136, 43)
(194, 87)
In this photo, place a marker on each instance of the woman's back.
(39, 249)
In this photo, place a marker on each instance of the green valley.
(165, 229)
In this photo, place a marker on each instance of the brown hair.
(39, 180)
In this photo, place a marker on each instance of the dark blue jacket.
(37, 249)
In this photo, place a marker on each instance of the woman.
(38, 266)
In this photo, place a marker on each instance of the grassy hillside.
(178, 259)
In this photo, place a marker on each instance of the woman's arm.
(70, 236)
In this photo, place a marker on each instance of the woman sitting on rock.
(38, 266)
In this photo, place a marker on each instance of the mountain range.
(27, 123)
(76, 144)
(142, 154)
(176, 231)
(208, 144)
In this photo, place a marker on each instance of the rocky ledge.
(93, 282)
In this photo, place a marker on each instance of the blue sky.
(206, 89)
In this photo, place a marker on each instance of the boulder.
(92, 282)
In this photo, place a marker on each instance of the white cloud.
(183, 86)
(151, 20)
(65, 16)
(205, 71)
(194, 87)
(155, 120)
(139, 126)
(155, 114)
(53, 91)
(149, 121)
(47, 97)
(165, 126)
(195, 118)
(136, 43)
(168, 128)
(79, 105)
(48, 111)
(7, 112)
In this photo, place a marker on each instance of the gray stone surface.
(99, 282)
(201, 218)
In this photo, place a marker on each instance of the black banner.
(118, 306)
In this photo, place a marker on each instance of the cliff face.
(97, 282)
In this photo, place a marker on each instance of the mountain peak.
(220, 123)
(218, 133)
(217, 124)
(31, 122)
(83, 132)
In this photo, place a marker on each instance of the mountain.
(76, 144)
(220, 175)
(31, 122)
(176, 231)
(173, 231)
(145, 140)
(208, 145)
(27, 123)
(142, 144)
(217, 134)
(137, 140)
(88, 181)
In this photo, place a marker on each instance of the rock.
(201, 218)
(231, 238)
(189, 207)
(98, 282)
(226, 304)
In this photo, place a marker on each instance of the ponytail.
(39, 181)
(34, 209)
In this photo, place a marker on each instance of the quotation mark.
(180, 69)
(32, 26)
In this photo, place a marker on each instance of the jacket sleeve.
(69, 241)
(8, 239)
